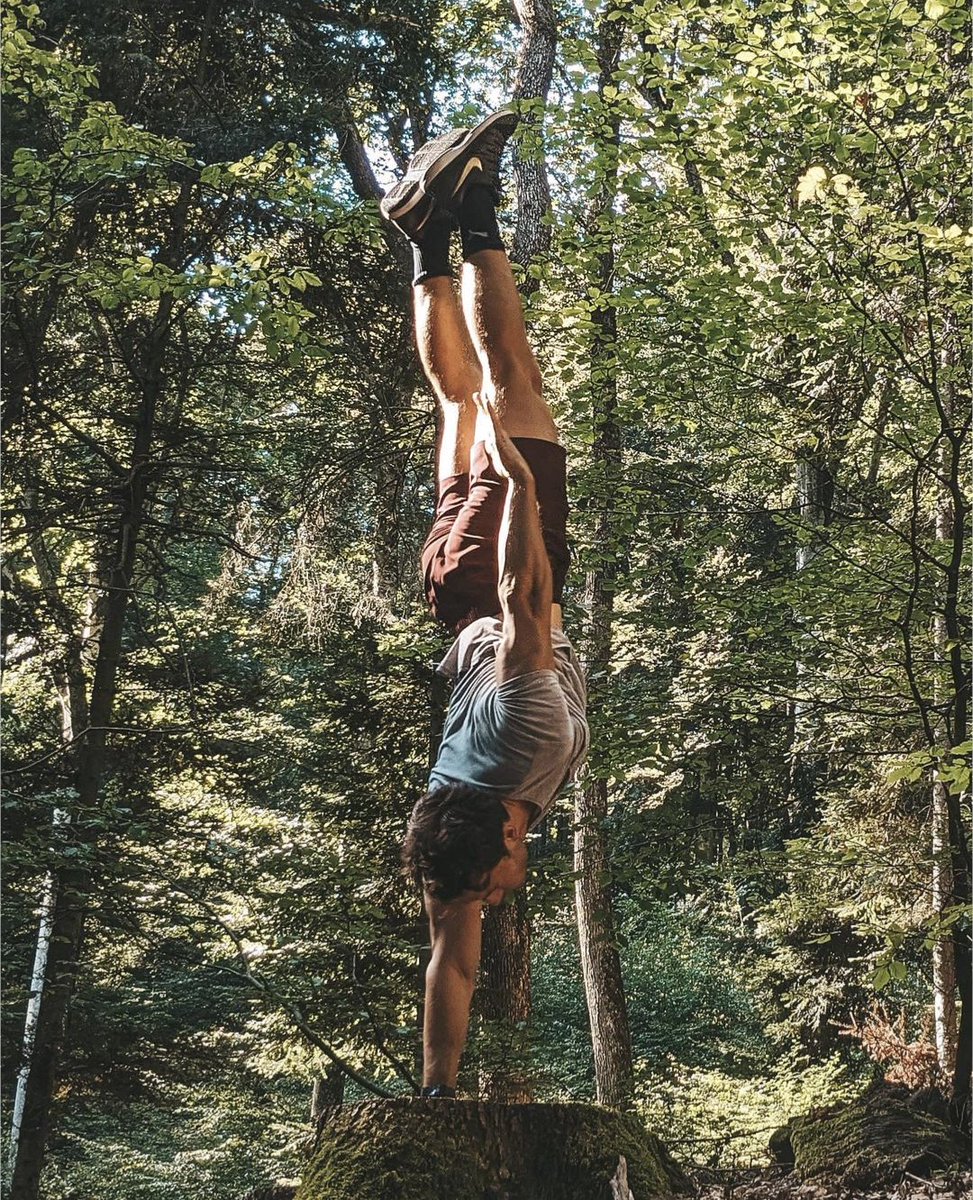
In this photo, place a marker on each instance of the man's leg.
(511, 376)
(495, 318)
(452, 368)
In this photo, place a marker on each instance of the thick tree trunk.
(504, 1003)
(445, 1149)
(866, 1145)
(600, 961)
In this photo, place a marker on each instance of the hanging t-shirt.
(523, 739)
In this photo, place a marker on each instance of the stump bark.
(871, 1141)
(465, 1150)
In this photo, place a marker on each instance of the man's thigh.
(460, 556)
(523, 411)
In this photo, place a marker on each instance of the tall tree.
(506, 961)
(597, 928)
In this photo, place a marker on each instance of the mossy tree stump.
(465, 1150)
(872, 1141)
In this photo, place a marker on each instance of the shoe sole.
(445, 160)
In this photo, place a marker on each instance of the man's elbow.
(452, 971)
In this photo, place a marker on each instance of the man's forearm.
(525, 572)
(449, 994)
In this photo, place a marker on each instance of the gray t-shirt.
(519, 740)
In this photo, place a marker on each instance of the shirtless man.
(494, 566)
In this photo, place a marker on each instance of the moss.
(462, 1150)
(872, 1140)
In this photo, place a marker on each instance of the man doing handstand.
(493, 566)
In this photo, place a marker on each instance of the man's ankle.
(478, 221)
(438, 1091)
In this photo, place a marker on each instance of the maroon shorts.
(459, 559)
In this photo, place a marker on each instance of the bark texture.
(534, 70)
(504, 997)
(943, 892)
(600, 961)
(504, 1004)
(462, 1150)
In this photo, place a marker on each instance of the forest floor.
(774, 1183)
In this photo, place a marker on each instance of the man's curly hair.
(454, 840)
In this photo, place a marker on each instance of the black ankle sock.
(430, 254)
(478, 220)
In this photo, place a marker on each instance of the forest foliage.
(209, 370)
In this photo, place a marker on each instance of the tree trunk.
(943, 951)
(385, 545)
(38, 977)
(327, 1091)
(504, 1003)
(504, 996)
(73, 882)
(600, 961)
(68, 671)
(458, 1150)
(813, 489)
(951, 532)
(534, 69)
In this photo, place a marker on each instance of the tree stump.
(465, 1150)
(871, 1141)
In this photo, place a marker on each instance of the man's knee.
(515, 374)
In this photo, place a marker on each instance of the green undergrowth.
(190, 1142)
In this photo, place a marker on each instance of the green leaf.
(811, 184)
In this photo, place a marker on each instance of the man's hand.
(506, 459)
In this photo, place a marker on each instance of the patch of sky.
(462, 101)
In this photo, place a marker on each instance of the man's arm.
(455, 930)
(525, 581)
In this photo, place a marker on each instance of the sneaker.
(439, 171)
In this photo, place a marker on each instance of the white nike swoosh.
(474, 164)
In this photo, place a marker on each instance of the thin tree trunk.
(600, 960)
(943, 951)
(35, 995)
(955, 513)
(505, 992)
(385, 545)
(73, 882)
(812, 480)
(534, 70)
(327, 1091)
